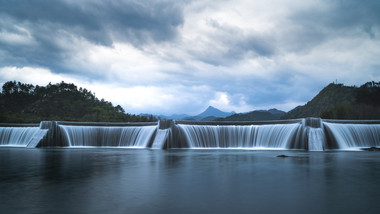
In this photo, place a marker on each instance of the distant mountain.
(337, 101)
(258, 115)
(174, 116)
(211, 113)
(276, 111)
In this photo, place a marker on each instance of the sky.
(173, 56)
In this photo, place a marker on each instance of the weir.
(17, 136)
(239, 136)
(21, 135)
(80, 136)
(353, 135)
(161, 138)
(313, 134)
(132, 135)
(164, 134)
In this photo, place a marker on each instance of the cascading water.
(160, 138)
(316, 139)
(351, 136)
(311, 134)
(17, 136)
(313, 128)
(238, 136)
(128, 136)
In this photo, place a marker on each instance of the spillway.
(351, 136)
(104, 136)
(275, 136)
(313, 134)
(161, 138)
(316, 139)
(17, 136)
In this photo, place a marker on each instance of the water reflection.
(187, 181)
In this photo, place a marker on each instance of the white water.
(313, 130)
(350, 136)
(253, 136)
(316, 139)
(17, 136)
(160, 138)
(128, 136)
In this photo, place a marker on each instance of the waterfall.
(313, 128)
(311, 134)
(126, 136)
(275, 136)
(316, 139)
(349, 136)
(160, 138)
(17, 136)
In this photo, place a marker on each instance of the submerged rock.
(371, 149)
(289, 156)
(283, 156)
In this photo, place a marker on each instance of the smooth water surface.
(187, 181)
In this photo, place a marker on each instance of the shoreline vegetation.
(26, 103)
(337, 101)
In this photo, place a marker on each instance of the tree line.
(337, 101)
(26, 103)
(365, 105)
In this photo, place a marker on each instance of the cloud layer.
(181, 56)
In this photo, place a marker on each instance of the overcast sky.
(173, 56)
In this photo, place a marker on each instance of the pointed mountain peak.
(210, 108)
(212, 111)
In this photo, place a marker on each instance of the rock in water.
(371, 149)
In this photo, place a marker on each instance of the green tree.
(62, 101)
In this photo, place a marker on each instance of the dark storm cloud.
(42, 49)
(258, 45)
(257, 53)
(350, 13)
(236, 45)
(99, 22)
(339, 19)
(300, 31)
(241, 43)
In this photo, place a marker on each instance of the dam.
(312, 134)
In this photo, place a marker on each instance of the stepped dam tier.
(21, 135)
(313, 134)
(276, 136)
(128, 136)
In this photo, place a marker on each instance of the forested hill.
(337, 101)
(26, 103)
(258, 115)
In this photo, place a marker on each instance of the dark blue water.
(187, 181)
